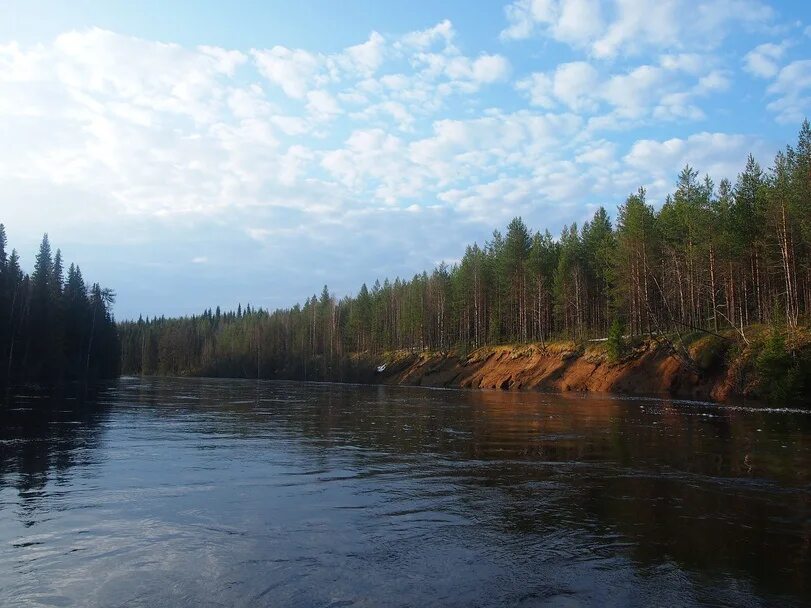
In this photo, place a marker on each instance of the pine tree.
(517, 246)
(635, 258)
(44, 323)
(598, 247)
(3, 245)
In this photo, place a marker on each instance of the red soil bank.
(649, 369)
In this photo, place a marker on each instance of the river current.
(200, 492)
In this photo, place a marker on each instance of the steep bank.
(716, 369)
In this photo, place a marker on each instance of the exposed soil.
(650, 368)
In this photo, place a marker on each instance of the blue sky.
(193, 154)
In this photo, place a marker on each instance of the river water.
(190, 492)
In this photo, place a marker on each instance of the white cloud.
(291, 69)
(150, 128)
(249, 102)
(490, 68)
(423, 39)
(366, 58)
(571, 21)
(161, 129)
(483, 69)
(322, 105)
(762, 61)
(633, 92)
(713, 82)
(548, 195)
(667, 91)
(691, 63)
(677, 106)
(283, 146)
(385, 112)
(368, 154)
(438, 70)
(97, 64)
(539, 88)
(456, 152)
(793, 86)
(598, 153)
(655, 163)
(520, 19)
(628, 27)
(578, 21)
(298, 71)
(258, 234)
(575, 84)
(294, 164)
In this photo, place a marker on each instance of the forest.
(710, 257)
(54, 329)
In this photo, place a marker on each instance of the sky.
(200, 154)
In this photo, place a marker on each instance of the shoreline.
(650, 370)
(718, 370)
(712, 368)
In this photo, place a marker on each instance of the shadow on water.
(639, 498)
(44, 439)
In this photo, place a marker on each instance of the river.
(199, 492)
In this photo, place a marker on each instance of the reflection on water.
(212, 492)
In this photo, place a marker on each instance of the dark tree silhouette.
(53, 331)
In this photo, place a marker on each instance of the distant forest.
(53, 328)
(713, 257)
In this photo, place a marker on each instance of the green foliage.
(708, 351)
(783, 375)
(615, 345)
(773, 365)
(636, 252)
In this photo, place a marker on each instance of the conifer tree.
(44, 323)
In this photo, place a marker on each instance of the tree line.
(711, 258)
(54, 329)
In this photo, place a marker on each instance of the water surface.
(187, 492)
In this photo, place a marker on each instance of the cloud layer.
(368, 154)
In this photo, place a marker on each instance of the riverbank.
(766, 366)
(706, 367)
